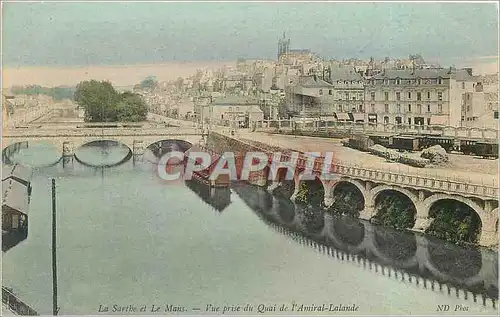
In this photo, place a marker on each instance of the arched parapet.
(375, 191)
(488, 234)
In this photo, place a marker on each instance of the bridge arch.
(378, 189)
(342, 200)
(395, 220)
(167, 145)
(431, 200)
(311, 190)
(487, 220)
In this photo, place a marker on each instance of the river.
(126, 238)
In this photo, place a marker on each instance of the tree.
(149, 83)
(131, 108)
(99, 100)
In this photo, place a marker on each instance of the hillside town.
(299, 84)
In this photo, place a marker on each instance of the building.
(14, 206)
(480, 109)
(339, 93)
(348, 94)
(309, 97)
(418, 96)
(232, 109)
(19, 174)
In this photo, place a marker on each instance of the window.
(230, 108)
(419, 96)
(440, 81)
(409, 95)
(372, 95)
(428, 95)
(398, 96)
(339, 107)
(419, 108)
(386, 95)
(398, 108)
(440, 108)
(386, 108)
(386, 81)
(372, 107)
(353, 97)
(420, 81)
(428, 108)
(409, 121)
(386, 120)
(346, 96)
(321, 92)
(440, 96)
(360, 108)
(495, 115)
(330, 92)
(398, 81)
(463, 85)
(428, 121)
(237, 109)
(409, 108)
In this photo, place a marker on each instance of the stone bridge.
(403, 255)
(422, 190)
(66, 141)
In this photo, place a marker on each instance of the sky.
(83, 34)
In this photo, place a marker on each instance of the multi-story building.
(348, 94)
(339, 94)
(418, 96)
(479, 109)
(232, 109)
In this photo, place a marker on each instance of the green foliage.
(302, 194)
(309, 193)
(454, 222)
(149, 83)
(347, 202)
(57, 93)
(396, 211)
(102, 103)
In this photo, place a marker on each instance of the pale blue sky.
(67, 34)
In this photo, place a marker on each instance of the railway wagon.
(384, 140)
(468, 147)
(360, 142)
(447, 143)
(405, 143)
(486, 149)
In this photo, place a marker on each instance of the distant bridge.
(67, 140)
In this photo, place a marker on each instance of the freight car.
(447, 143)
(480, 148)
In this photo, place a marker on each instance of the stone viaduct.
(423, 191)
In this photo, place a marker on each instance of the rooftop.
(458, 74)
(313, 82)
(17, 171)
(344, 73)
(235, 100)
(15, 196)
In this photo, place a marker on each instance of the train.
(414, 143)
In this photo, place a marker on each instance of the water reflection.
(218, 198)
(422, 257)
(34, 154)
(103, 153)
(13, 238)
